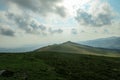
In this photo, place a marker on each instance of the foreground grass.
(60, 66)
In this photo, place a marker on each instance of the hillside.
(109, 43)
(59, 66)
(71, 47)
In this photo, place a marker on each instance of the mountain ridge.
(108, 43)
(72, 47)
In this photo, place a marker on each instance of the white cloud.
(95, 15)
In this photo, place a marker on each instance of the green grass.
(60, 66)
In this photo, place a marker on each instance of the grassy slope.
(60, 66)
(71, 47)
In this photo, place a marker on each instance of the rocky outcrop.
(6, 73)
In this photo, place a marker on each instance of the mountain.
(71, 47)
(109, 43)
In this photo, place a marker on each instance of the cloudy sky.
(31, 22)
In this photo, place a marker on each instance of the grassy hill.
(71, 47)
(60, 66)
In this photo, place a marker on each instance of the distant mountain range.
(71, 47)
(20, 49)
(109, 43)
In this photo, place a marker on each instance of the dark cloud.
(22, 21)
(85, 18)
(42, 27)
(7, 32)
(54, 31)
(26, 23)
(74, 31)
(95, 31)
(106, 31)
(36, 26)
(43, 7)
(82, 31)
(61, 11)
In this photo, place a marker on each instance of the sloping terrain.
(70, 47)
